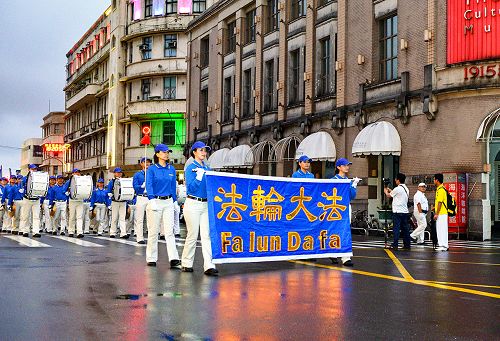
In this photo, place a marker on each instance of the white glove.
(143, 185)
(153, 205)
(67, 194)
(199, 173)
(110, 195)
(109, 208)
(355, 182)
(21, 190)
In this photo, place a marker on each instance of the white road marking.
(27, 241)
(77, 241)
(121, 241)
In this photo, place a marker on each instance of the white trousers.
(86, 217)
(59, 219)
(16, 219)
(131, 218)
(196, 216)
(442, 230)
(75, 216)
(177, 212)
(30, 207)
(100, 217)
(164, 213)
(7, 221)
(47, 219)
(140, 210)
(118, 211)
(418, 233)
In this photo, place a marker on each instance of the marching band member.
(59, 197)
(131, 206)
(3, 184)
(196, 212)
(118, 208)
(7, 220)
(75, 211)
(86, 216)
(15, 204)
(305, 165)
(99, 202)
(139, 184)
(31, 206)
(47, 219)
(160, 187)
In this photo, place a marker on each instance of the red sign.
(473, 30)
(455, 183)
(54, 147)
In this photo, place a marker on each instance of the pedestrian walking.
(160, 187)
(99, 204)
(196, 212)
(58, 201)
(400, 213)
(75, 210)
(441, 213)
(118, 208)
(420, 209)
(30, 214)
(139, 182)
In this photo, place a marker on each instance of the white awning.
(261, 152)
(317, 146)
(487, 128)
(216, 160)
(239, 157)
(379, 138)
(285, 149)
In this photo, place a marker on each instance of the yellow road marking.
(429, 260)
(400, 266)
(400, 279)
(467, 284)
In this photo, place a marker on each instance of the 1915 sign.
(473, 30)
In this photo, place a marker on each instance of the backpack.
(450, 205)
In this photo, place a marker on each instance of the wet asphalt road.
(105, 291)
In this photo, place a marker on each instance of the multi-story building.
(129, 71)
(396, 86)
(31, 153)
(54, 149)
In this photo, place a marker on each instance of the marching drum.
(37, 184)
(123, 189)
(81, 187)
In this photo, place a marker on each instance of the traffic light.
(146, 135)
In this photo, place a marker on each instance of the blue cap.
(52, 177)
(60, 177)
(100, 180)
(19, 177)
(117, 170)
(146, 159)
(162, 148)
(32, 166)
(76, 170)
(13, 176)
(342, 162)
(4, 179)
(199, 144)
(305, 158)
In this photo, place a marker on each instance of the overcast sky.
(34, 39)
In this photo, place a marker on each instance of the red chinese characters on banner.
(456, 184)
(473, 30)
(54, 147)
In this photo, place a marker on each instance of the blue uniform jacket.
(301, 174)
(138, 181)
(14, 194)
(59, 193)
(99, 196)
(49, 191)
(352, 193)
(5, 193)
(196, 187)
(161, 181)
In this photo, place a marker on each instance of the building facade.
(31, 153)
(130, 72)
(385, 83)
(53, 145)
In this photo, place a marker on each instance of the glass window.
(389, 48)
(227, 112)
(269, 85)
(170, 49)
(294, 67)
(199, 6)
(204, 51)
(129, 133)
(148, 8)
(250, 27)
(146, 47)
(324, 67)
(231, 37)
(169, 88)
(298, 8)
(145, 89)
(169, 133)
(203, 123)
(273, 15)
(171, 6)
(130, 52)
(247, 93)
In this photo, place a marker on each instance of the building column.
(341, 52)
(309, 85)
(220, 76)
(259, 44)
(240, 23)
(284, 7)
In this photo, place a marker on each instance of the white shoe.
(441, 248)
